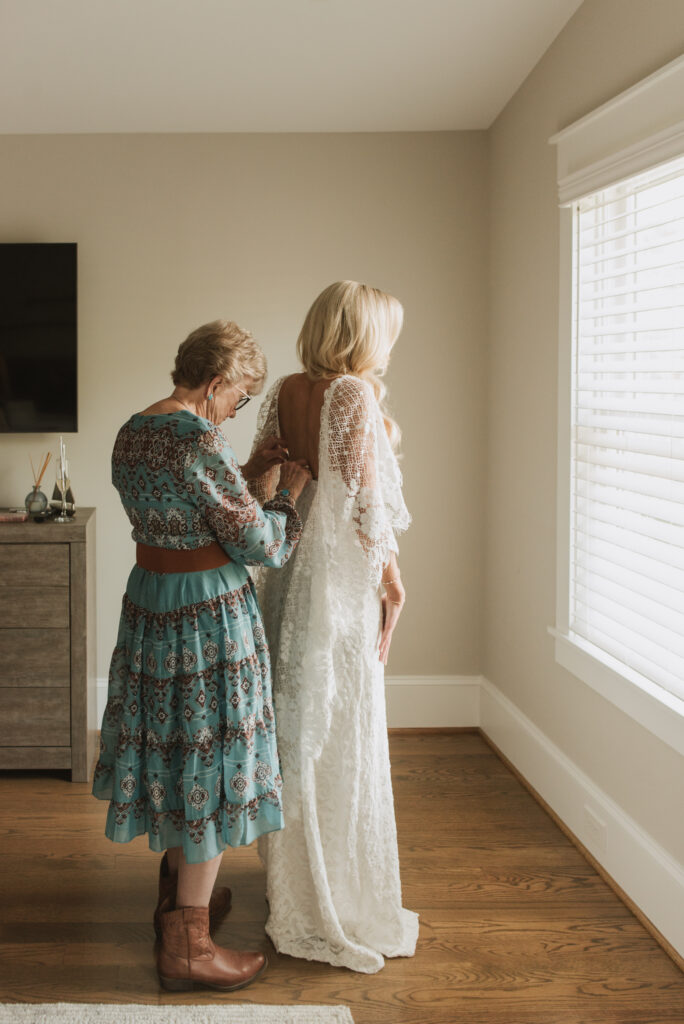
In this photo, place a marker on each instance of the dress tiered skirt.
(188, 748)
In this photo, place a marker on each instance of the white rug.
(132, 1013)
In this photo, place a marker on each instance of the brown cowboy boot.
(188, 956)
(219, 904)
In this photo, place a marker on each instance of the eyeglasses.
(241, 402)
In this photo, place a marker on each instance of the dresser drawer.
(48, 689)
(35, 657)
(34, 607)
(34, 565)
(35, 717)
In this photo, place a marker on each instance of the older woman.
(188, 748)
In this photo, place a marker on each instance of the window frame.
(639, 129)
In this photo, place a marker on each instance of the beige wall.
(608, 46)
(177, 230)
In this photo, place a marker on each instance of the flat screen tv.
(38, 335)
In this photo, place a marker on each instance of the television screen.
(38, 333)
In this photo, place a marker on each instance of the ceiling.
(267, 65)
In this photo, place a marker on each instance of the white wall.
(607, 46)
(177, 230)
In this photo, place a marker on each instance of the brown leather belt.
(168, 560)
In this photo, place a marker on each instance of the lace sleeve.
(361, 461)
(264, 487)
(248, 532)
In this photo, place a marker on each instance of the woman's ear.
(214, 383)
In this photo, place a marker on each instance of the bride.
(333, 872)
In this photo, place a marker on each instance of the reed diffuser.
(36, 502)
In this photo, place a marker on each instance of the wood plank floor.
(516, 927)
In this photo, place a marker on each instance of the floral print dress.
(188, 748)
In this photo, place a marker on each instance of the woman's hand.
(294, 476)
(392, 603)
(273, 452)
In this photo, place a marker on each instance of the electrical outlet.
(596, 831)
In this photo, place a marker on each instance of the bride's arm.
(392, 603)
(391, 580)
(358, 450)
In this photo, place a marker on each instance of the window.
(620, 511)
(627, 427)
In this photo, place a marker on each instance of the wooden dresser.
(47, 645)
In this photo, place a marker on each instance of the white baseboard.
(644, 870)
(412, 701)
(424, 702)
(101, 693)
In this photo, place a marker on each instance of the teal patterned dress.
(188, 746)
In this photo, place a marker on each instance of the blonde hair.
(351, 328)
(219, 349)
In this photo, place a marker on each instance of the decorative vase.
(36, 502)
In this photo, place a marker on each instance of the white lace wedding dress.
(333, 871)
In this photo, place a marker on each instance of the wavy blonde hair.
(351, 328)
(219, 349)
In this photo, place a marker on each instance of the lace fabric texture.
(333, 871)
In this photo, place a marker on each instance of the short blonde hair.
(351, 328)
(219, 349)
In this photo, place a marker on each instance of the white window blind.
(627, 458)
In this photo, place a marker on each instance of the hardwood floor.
(516, 927)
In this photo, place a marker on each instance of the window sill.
(652, 707)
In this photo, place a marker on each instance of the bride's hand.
(392, 603)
